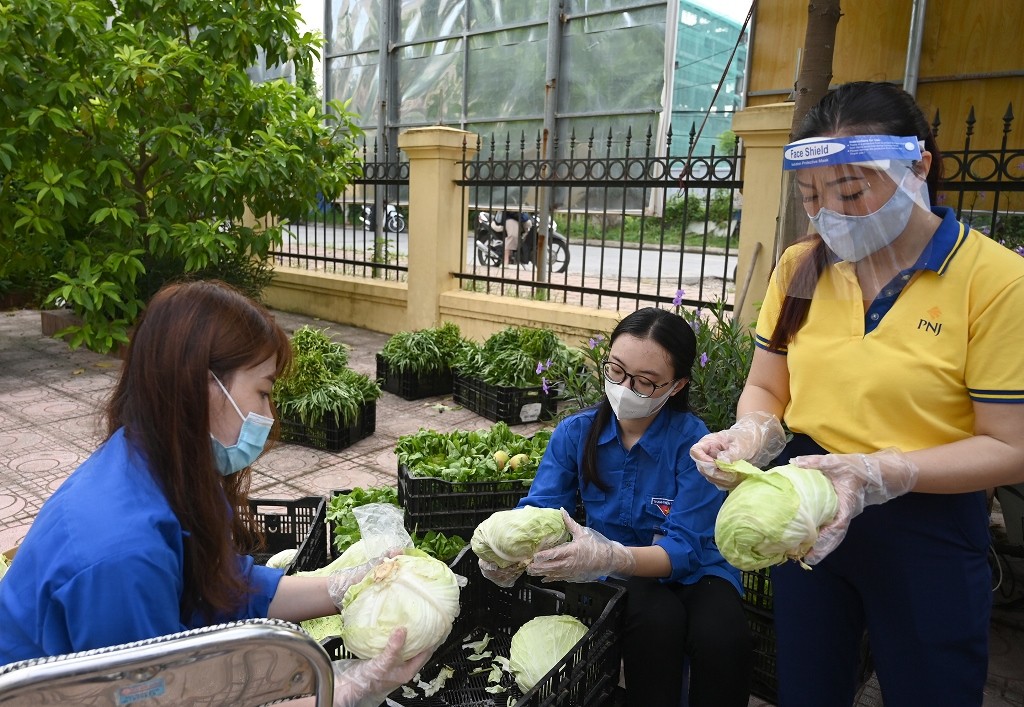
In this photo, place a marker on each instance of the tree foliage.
(133, 143)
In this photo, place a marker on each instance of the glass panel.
(355, 77)
(494, 94)
(490, 14)
(430, 83)
(352, 26)
(429, 19)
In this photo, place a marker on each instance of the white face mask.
(627, 405)
(854, 238)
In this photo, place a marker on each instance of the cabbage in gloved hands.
(772, 515)
(413, 590)
(539, 644)
(513, 537)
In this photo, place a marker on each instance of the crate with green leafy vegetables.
(323, 403)
(345, 529)
(514, 376)
(450, 482)
(418, 364)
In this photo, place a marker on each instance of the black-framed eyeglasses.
(642, 386)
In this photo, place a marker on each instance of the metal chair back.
(245, 663)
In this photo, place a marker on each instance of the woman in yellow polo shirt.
(890, 344)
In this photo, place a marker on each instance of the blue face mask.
(251, 440)
(854, 238)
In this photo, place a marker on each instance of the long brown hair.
(856, 108)
(162, 402)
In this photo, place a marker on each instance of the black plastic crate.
(330, 434)
(763, 683)
(512, 406)
(288, 525)
(757, 589)
(454, 508)
(413, 385)
(585, 677)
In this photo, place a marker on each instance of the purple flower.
(540, 368)
(547, 365)
(544, 385)
(703, 360)
(594, 341)
(678, 299)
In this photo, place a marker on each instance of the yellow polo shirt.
(944, 333)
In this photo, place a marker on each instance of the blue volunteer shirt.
(103, 564)
(655, 493)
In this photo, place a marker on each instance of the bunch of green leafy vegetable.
(424, 350)
(494, 454)
(346, 528)
(725, 348)
(517, 357)
(319, 382)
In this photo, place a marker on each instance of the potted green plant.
(512, 376)
(418, 364)
(321, 401)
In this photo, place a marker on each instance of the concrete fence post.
(436, 217)
(764, 130)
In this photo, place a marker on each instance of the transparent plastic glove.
(756, 437)
(339, 582)
(366, 683)
(860, 480)
(588, 556)
(502, 576)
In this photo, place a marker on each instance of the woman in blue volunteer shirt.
(143, 539)
(890, 344)
(651, 520)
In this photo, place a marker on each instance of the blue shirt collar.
(945, 243)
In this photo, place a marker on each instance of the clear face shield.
(859, 191)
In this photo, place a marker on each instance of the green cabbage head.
(512, 537)
(539, 644)
(773, 515)
(412, 590)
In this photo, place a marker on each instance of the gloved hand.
(366, 683)
(588, 556)
(339, 582)
(859, 480)
(502, 576)
(756, 437)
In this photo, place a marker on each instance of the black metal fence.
(986, 186)
(364, 232)
(630, 224)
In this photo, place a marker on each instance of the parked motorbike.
(490, 241)
(393, 219)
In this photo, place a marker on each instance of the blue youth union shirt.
(103, 564)
(656, 495)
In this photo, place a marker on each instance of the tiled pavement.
(49, 398)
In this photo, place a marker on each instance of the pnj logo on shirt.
(662, 504)
(931, 325)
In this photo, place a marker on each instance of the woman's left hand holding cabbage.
(588, 556)
(859, 480)
(366, 683)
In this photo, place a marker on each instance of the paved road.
(591, 260)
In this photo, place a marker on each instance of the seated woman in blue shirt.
(143, 539)
(651, 520)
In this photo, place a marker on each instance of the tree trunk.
(811, 85)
